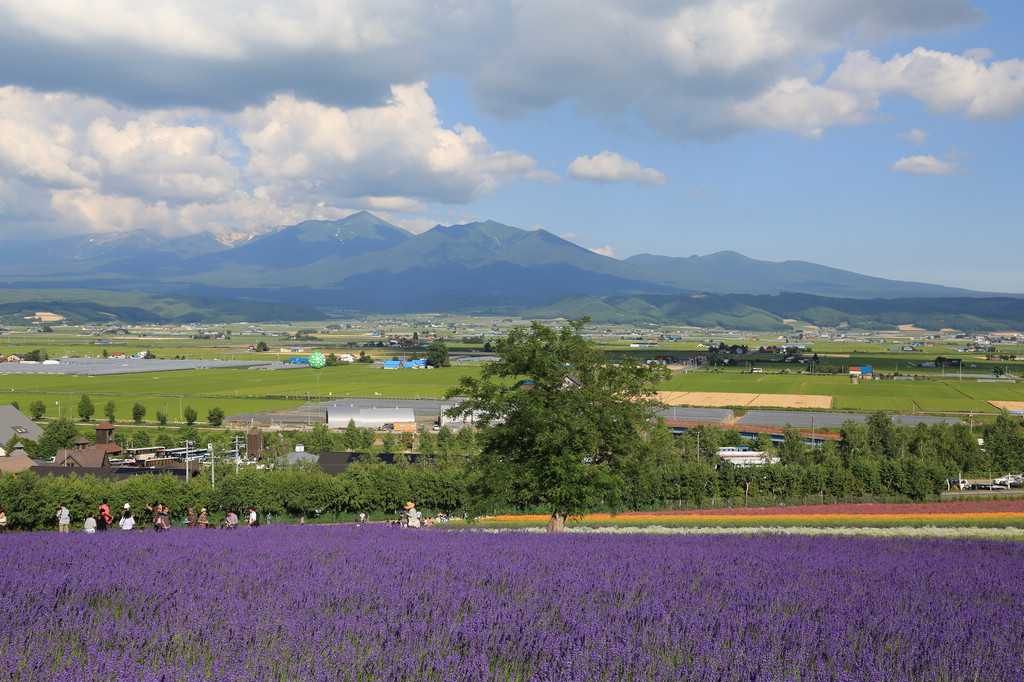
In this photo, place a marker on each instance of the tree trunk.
(557, 522)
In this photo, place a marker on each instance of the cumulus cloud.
(946, 83)
(605, 250)
(106, 168)
(611, 167)
(372, 151)
(913, 135)
(926, 165)
(702, 68)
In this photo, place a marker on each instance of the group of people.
(100, 521)
(161, 514)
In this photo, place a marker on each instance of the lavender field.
(345, 603)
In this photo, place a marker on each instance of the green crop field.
(954, 405)
(251, 390)
(990, 391)
(871, 404)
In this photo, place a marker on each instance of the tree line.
(869, 461)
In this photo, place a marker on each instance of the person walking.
(253, 519)
(191, 519)
(63, 520)
(164, 517)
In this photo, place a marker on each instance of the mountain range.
(362, 264)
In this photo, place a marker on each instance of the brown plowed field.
(1008, 405)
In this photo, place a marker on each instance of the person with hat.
(63, 519)
(127, 521)
(203, 521)
(412, 515)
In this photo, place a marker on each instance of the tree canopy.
(437, 354)
(562, 421)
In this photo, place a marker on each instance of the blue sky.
(879, 136)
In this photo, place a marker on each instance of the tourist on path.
(203, 521)
(90, 524)
(412, 515)
(63, 520)
(155, 508)
(127, 521)
(104, 518)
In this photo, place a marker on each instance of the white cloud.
(946, 83)
(373, 151)
(804, 108)
(612, 167)
(605, 250)
(703, 68)
(926, 165)
(104, 168)
(913, 135)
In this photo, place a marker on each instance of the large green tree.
(437, 354)
(57, 435)
(563, 421)
(85, 408)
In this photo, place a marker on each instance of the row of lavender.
(346, 603)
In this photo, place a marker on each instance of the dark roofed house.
(90, 456)
(14, 423)
(334, 463)
(15, 464)
(86, 457)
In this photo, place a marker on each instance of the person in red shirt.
(104, 518)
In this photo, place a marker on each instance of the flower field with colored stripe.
(339, 603)
(960, 513)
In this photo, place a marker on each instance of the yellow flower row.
(776, 518)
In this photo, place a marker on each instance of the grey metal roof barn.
(372, 417)
(14, 423)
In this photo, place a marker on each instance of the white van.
(756, 370)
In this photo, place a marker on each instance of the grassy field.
(233, 390)
(245, 390)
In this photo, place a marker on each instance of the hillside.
(364, 264)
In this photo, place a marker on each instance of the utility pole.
(188, 446)
(209, 453)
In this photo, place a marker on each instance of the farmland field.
(233, 390)
(871, 404)
(244, 391)
(348, 603)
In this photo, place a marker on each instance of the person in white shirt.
(252, 518)
(90, 524)
(127, 521)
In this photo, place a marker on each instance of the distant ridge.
(364, 264)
